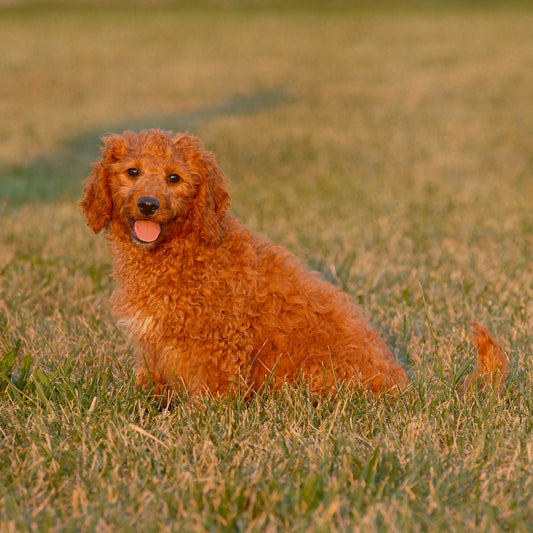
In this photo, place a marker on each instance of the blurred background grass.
(394, 140)
(388, 144)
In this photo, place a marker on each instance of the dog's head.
(155, 186)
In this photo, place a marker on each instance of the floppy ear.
(212, 199)
(96, 204)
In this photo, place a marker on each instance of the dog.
(215, 309)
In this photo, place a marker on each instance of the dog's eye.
(133, 172)
(173, 178)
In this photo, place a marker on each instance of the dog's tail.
(492, 367)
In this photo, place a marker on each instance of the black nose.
(147, 205)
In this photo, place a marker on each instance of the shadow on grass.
(60, 174)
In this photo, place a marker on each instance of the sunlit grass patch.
(388, 149)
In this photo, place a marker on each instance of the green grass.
(390, 148)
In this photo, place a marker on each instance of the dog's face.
(154, 186)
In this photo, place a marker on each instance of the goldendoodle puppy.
(213, 307)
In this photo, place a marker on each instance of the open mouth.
(146, 231)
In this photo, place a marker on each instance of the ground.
(390, 148)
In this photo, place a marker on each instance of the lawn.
(389, 147)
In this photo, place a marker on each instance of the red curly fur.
(211, 305)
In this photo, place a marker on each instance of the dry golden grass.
(390, 149)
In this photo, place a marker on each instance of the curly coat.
(211, 306)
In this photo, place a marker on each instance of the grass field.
(390, 148)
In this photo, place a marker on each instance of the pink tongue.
(146, 230)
